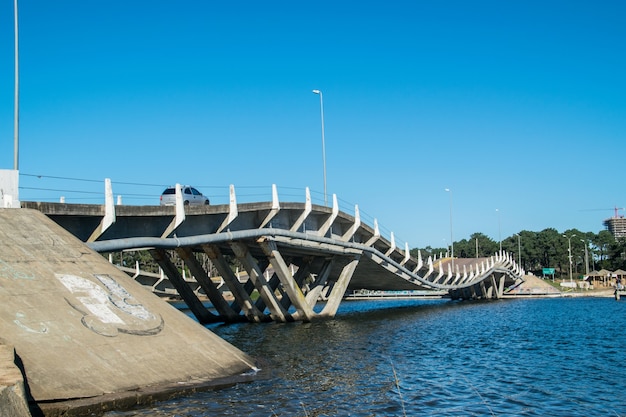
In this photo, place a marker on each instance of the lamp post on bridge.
(476, 247)
(569, 250)
(586, 257)
(519, 250)
(499, 230)
(319, 92)
(16, 127)
(451, 238)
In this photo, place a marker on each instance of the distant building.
(616, 225)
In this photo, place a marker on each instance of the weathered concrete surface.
(83, 329)
(12, 395)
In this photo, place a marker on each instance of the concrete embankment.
(87, 337)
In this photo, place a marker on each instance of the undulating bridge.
(294, 254)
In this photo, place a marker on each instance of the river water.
(519, 357)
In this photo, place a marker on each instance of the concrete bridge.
(293, 253)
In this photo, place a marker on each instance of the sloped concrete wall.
(83, 329)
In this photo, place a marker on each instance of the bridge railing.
(47, 188)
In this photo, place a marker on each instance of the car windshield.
(169, 191)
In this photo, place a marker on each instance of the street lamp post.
(451, 238)
(586, 257)
(519, 250)
(323, 143)
(569, 250)
(499, 230)
(16, 117)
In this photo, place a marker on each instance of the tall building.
(616, 225)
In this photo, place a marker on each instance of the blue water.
(527, 357)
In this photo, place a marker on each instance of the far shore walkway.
(534, 286)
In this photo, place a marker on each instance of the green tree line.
(545, 249)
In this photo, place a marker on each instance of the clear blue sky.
(513, 105)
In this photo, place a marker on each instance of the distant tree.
(428, 251)
(602, 243)
(548, 248)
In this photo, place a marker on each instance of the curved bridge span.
(294, 255)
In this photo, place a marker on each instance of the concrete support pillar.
(255, 274)
(300, 276)
(339, 289)
(304, 311)
(499, 286)
(242, 297)
(473, 292)
(274, 285)
(320, 282)
(490, 287)
(483, 290)
(218, 301)
(191, 299)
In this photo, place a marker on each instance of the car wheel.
(186, 203)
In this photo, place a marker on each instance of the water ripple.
(536, 357)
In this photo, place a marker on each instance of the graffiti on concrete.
(19, 320)
(107, 308)
(7, 271)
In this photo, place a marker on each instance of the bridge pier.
(243, 301)
(218, 301)
(203, 315)
(255, 274)
(339, 289)
(289, 284)
(280, 293)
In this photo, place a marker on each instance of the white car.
(191, 196)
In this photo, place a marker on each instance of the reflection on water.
(535, 357)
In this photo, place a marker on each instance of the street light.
(569, 242)
(16, 125)
(586, 257)
(519, 250)
(499, 230)
(451, 238)
(323, 143)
